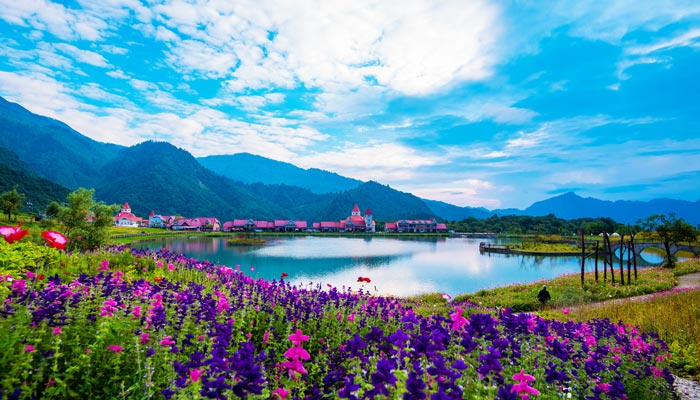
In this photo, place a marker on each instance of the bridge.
(674, 247)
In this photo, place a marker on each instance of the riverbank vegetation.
(566, 290)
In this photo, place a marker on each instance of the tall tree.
(85, 220)
(11, 202)
(670, 230)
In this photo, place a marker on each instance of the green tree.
(85, 220)
(11, 202)
(670, 230)
(53, 209)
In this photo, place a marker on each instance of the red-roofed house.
(247, 225)
(354, 223)
(286, 225)
(126, 218)
(204, 224)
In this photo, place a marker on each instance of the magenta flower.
(109, 306)
(297, 352)
(29, 348)
(298, 337)
(523, 377)
(282, 393)
(167, 341)
(144, 338)
(12, 233)
(104, 266)
(195, 374)
(458, 320)
(115, 348)
(57, 330)
(523, 389)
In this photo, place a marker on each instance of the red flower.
(284, 275)
(55, 239)
(12, 233)
(363, 279)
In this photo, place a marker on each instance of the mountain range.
(158, 176)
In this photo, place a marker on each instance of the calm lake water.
(400, 267)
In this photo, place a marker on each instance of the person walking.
(543, 296)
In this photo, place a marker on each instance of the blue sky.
(476, 103)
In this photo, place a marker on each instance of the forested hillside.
(38, 191)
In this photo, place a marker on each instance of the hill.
(572, 206)
(51, 148)
(160, 177)
(38, 191)
(249, 168)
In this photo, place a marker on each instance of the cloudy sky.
(473, 102)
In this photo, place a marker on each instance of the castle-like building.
(127, 218)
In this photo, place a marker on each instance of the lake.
(401, 267)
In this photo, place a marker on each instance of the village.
(355, 222)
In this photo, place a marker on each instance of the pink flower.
(104, 266)
(195, 374)
(566, 311)
(57, 330)
(167, 341)
(458, 320)
(144, 338)
(252, 268)
(298, 337)
(605, 387)
(171, 267)
(29, 348)
(12, 233)
(523, 377)
(524, 389)
(266, 337)
(55, 239)
(30, 275)
(446, 296)
(281, 392)
(297, 352)
(115, 348)
(109, 306)
(351, 317)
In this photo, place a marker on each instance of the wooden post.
(596, 261)
(634, 255)
(629, 263)
(583, 255)
(622, 264)
(609, 256)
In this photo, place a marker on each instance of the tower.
(369, 224)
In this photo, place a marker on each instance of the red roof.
(152, 214)
(390, 225)
(368, 211)
(356, 209)
(126, 205)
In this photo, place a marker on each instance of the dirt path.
(689, 281)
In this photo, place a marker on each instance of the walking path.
(689, 281)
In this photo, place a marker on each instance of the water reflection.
(398, 267)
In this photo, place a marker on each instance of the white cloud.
(62, 22)
(83, 56)
(373, 160)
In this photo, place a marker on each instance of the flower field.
(127, 323)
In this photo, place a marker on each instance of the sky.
(494, 104)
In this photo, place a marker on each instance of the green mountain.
(249, 168)
(38, 191)
(51, 148)
(160, 177)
